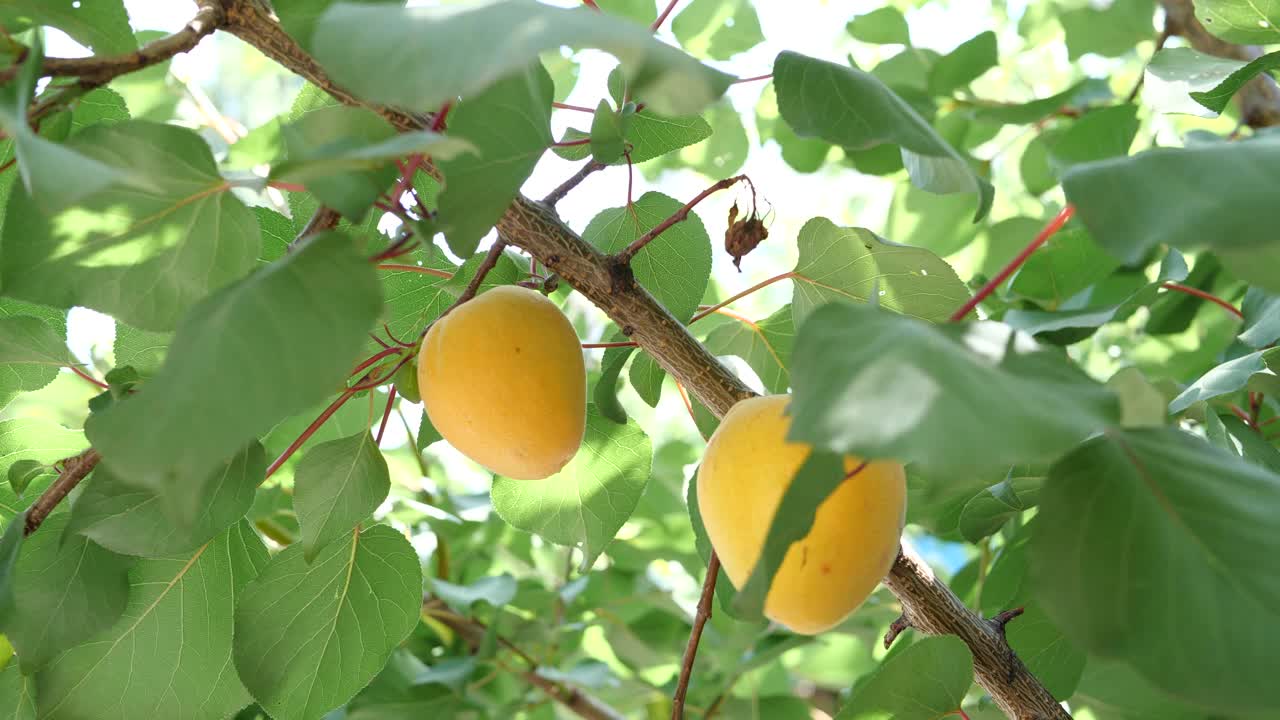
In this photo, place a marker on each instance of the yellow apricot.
(747, 467)
(502, 380)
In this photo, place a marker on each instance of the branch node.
(1002, 619)
(896, 628)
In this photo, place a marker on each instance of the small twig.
(1002, 619)
(1244, 416)
(896, 628)
(567, 106)
(74, 469)
(1197, 292)
(1049, 230)
(311, 430)
(389, 351)
(695, 636)
(490, 261)
(386, 415)
(558, 194)
(591, 4)
(680, 215)
(662, 17)
(100, 70)
(571, 143)
(1161, 39)
(766, 76)
(88, 377)
(438, 121)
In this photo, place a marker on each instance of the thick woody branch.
(1259, 100)
(929, 604)
(100, 70)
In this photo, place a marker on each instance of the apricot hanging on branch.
(747, 467)
(503, 380)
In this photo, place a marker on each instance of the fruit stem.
(625, 255)
(1043, 236)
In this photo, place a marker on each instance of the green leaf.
(957, 396)
(351, 42)
(605, 394)
(968, 62)
(64, 592)
(299, 17)
(10, 549)
(923, 682)
(23, 472)
(36, 439)
(1132, 510)
(585, 504)
(1053, 659)
(497, 590)
(817, 478)
(337, 485)
(646, 377)
(102, 25)
(1175, 76)
(1261, 318)
(608, 129)
(1133, 204)
(985, 513)
(509, 126)
(290, 331)
(1141, 404)
(852, 263)
(26, 339)
(1100, 134)
(345, 155)
(718, 29)
(133, 520)
(1033, 111)
(1229, 377)
(169, 654)
(1068, 263)
(148, 93)
(142, 350)
(883, 26)
(17, 378)
(650, 136)
(725, 152)
(1111, 32)
(17, 694)
(765, 346)
(143, 255)
(853, 109)
(675, 266)
(1217, 98)
(1241, 21)
(339, 618)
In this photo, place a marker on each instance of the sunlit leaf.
(352, 42)
(585, 504)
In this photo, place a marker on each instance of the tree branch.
(97, 70)
(74, 469)
(473, 631)
(1259, 100)
(930, 606)
(700, 619)
(535, 228)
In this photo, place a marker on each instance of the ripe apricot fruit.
(503, 380)
(747, 467)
